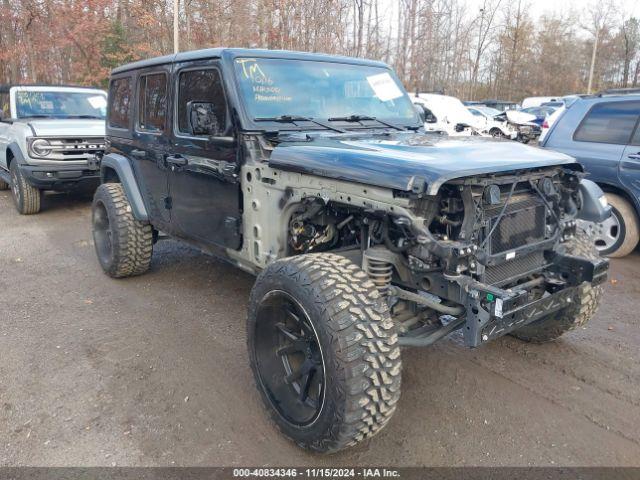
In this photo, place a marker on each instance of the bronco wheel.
(26, 197)
(556, 324)
(323, 351)
(123, 244)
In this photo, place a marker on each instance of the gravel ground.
(153, 370)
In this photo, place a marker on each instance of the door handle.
(634, 156)
(177, 160)
(139, 153)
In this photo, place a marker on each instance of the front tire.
(323, 351)
(26, 197)
(123, 244)
(558, 323)
(618, 235)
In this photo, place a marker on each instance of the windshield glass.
(321, 90)
(61, 104)
(489, 111)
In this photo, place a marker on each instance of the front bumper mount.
(492, 312)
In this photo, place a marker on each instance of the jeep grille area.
(523, 223)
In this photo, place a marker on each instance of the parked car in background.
(537, 101)
(49, 136)
(447, 114)
(524, 124)
(541, 113)
(602, 133)
(493, 123)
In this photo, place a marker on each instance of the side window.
(610, 122)
(152, 102)
(203, 87)
(636, 136)
(5, 111)
(120, 103)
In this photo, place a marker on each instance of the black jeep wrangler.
(366, 233)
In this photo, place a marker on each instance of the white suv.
(49, 139)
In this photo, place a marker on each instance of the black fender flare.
(121, 165)
(593, 208)
(16, 151)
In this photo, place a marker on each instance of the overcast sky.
(539, 7)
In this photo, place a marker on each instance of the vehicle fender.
(121, 165)
(594, 209)
(18, 156)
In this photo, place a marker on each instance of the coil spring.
(380, 273)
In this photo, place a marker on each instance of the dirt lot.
(153, 370)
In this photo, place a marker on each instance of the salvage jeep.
(49, 139)
(366, 233)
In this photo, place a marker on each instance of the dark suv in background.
(602, 133)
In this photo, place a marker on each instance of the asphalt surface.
(153, 370)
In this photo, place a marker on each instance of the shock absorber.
(379, 271)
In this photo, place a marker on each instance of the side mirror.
(203, 119)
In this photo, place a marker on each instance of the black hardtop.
(5, 88)
(242, 52)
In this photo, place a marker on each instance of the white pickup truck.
(49, 139)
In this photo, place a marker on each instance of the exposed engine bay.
(482, 249)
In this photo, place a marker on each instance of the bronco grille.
(74, 149)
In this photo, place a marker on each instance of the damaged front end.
(486, 254)
(499, 241)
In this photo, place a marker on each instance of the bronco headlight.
(41, 147)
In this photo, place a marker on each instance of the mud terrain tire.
(588, 298)
(26, 197)
(123, 244)
(358, 344)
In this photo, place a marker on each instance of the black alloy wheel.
(289, 359)
(102, 233)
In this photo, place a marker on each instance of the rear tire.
(123, 244)
(324, 305)
(560, 322)
(26, 197)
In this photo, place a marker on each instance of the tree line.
(492, 49)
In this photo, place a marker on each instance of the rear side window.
(120, 103)
(201, 86)
(152, 104)
(611, 122)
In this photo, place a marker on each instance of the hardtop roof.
(4, 88)
(243, 52)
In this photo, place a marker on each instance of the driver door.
(203, 181)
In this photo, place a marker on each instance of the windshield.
(61, 104)
(492, 112)
(276, 87)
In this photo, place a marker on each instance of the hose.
(432, 338)
(414, 297)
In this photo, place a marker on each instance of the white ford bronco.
(49, 139)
